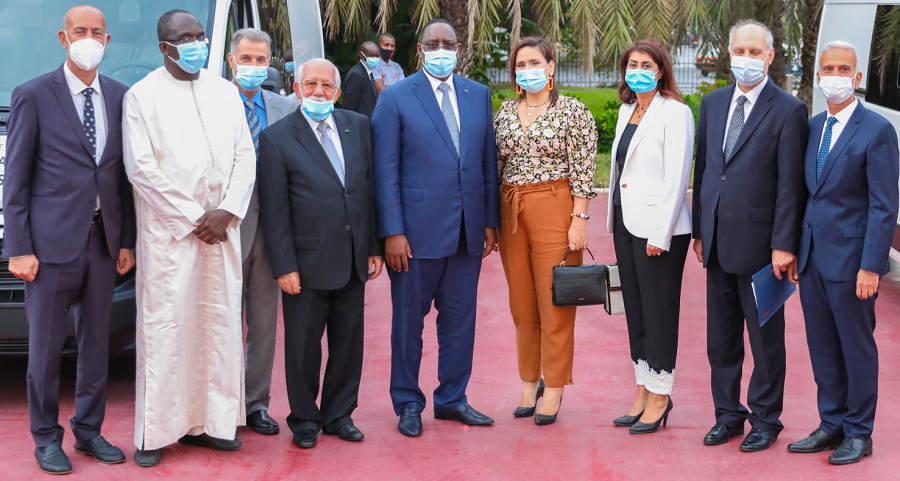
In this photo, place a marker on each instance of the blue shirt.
(259, 106)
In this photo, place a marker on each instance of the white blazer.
(657, 169)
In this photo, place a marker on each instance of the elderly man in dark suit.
(317, 210)
(748, 202)
(851, 210)
(70, 227)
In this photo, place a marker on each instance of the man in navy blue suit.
(748, 203)
(851, 166)
(438, 209)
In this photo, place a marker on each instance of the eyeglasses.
(432, 46)
(188, 39)
(313, 84)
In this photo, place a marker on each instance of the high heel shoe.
(647, 428)
(626, 420)
(542, 419)
(523, 412)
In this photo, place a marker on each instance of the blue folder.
(770, 293)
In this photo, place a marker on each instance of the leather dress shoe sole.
(209, 442)
(101, 461)
(51, 472)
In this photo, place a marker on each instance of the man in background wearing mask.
(851, 210)
(63, 165)
(249, 60)
(391, 72)
(359, 86)
(190, 157)
(748, 203)
(289, 68)
(439, 207)
(317, 207)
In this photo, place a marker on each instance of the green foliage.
(606, 119)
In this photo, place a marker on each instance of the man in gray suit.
(249, 60)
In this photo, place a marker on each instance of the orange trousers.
(534, 236)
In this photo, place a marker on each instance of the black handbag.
(583, 285)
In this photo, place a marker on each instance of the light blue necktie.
(449, 116)
(826, 145)
(331, 150)
(253, 122)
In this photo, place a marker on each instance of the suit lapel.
(718, 125)
(273, 113)
(113, 105)
(429, 101)
(812, 151)
(649, 119)
(837, 147)
(756, 115)
(621, 123)
(465, 113)
(348, 146)
(64, 95)
(310, 142)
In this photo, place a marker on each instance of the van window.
(239, 17)
(883, 84)
(275, 21)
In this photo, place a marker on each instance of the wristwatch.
(583, 216)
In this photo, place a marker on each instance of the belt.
(98, 217)
(512, 195)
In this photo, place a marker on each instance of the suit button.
(815, 200)
(462, 170)
(459, 199)
(348, 227)
(808, 224)
(723, 177)
(346, 196)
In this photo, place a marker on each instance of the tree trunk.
(808, 51)
(457, 13)
(778, 69)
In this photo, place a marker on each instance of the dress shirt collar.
(435, 82)
(315, 124)
(753, 94)
(76, 86)
(257, 99)
(844, 115)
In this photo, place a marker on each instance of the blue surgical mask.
(532, 80)
(640, 80)
(289, 66)
(250, 77)
(317, 110)
(191, 56)
(373, 62)
(440, 63)
(748, 71)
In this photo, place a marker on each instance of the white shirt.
(332, 134)
(371, 71)
(752, 98)
(76, 87)
(435, 83)
(842, 118)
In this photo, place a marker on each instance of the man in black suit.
(359, 86)
(316, 192)
(70, 226)
(748, 204)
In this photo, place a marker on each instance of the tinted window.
(883, 84)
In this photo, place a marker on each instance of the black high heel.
(523, 412)
(626, 420)
(647, 428)
(542, 419)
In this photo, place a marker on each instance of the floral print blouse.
(560, 144)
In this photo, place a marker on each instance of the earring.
(519, 90)
(550, 85)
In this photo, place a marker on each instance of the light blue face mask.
(373, 62)
(748, 71)
(191, 56)
(250, 77)
(532, 80)
(440, 63)
(640, 80)
(317, 110)
(289, 66)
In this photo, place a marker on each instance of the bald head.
(369, 49)
(84, 14)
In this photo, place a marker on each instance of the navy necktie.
(89, 120)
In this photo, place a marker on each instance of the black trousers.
(651, 291)
(729, 301)
(306, 317)
(87, 284)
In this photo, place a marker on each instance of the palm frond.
(550, 18)
(585, 21)
(332, 14)
(615, 27)
(484, 15)
(515, 19)
(654, 21)
(425, 11)
(688, 14)
(887, 44)
(356, 17)
(385, 10)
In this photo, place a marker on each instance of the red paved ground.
(583, 444)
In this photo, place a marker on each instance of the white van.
(862, 22)
(29, 43)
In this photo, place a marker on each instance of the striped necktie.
(253, 122)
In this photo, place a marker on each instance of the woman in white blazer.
(650, 220)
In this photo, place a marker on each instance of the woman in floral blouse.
(546, 144)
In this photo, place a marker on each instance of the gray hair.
(770, 40)
(252, 34)
(337, 74)
(840, 45)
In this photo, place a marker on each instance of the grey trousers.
(260, 306)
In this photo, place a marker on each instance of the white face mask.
(86, 53)
(836, 89)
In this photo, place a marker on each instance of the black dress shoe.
(465, 414)
(52, 460)
(410, 422)
(306, 439)
(347, 432)
(101, 450)
(758, 440)
(721, 433)
(817, 441)
(852, 450)
(525, 412)
(206, 441)
(647, 428)
(260, 422)
(626, 420)
(147, 459)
